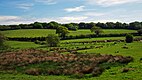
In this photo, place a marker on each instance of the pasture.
(45, 32)
(76, 47)
(114, 73)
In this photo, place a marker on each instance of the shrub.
(140, 31)
(96, 30)
(129, 38)
(2, 39)
(53, 40)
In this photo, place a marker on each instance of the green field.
(101, 38)
(115, 48)
(105, 31)
(45, 32)
(22, 45)
(26, 45)
(114, 73)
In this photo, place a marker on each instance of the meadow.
(45, 32)
(114, 72)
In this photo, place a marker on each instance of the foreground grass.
(115, 73)
(30, 77)
(45, 32)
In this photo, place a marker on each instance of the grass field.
(100, 38)
(114, 73)
(26, 45)
(22, 45)
(105, 31)
(45, 32)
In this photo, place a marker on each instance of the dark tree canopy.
(53, 40)
(62, 31)
(71, 26)
(129, 38)
(37, 25)
(74, 26)
(96, 30)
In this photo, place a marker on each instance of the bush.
(53, 40)
(2, 39)
(129, 38)
(140, 31)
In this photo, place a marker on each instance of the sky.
(66, 11)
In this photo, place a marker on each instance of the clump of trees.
(74, 26)
(62, 31)
(129, 38)
(52, 40)
(71, 26)
(96, 30)
(37, 25)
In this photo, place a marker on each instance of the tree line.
(74, 26)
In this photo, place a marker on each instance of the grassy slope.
(45, 32)
(134, 50)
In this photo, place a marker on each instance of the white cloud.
(107, 3)
(75, 9)
(48, 2)
(75, 19)
(18, 20)
(25, 6)
(7, 18)
(12, 20)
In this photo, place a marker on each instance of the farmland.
(108, 48)
(70, 40)
(84, 49)
(45, 32)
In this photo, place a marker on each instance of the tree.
(110, 25)
(53, 25)
(96, 30)
(71, 26)
(45, 25)
(140, 31)
(82, 25)
(62, 31)
(15, 27)
(135, 25)
(52, 40)
(102, 25)
(129, 38)
(90, 25)
(118, 25)
(2, 39)
(37, 25)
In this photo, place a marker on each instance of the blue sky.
(66, 11)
